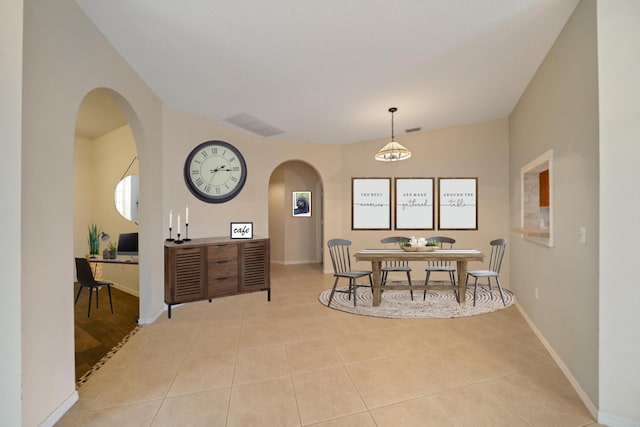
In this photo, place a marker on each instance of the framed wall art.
(414, 205)
(458, 203)
(241, 230)
(301, 201)
(371, 203)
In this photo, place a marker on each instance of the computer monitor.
(128, 244)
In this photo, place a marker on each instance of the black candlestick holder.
(186, 233)
(170, 239)
(178, 241)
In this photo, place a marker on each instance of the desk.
(376, 256)
(114, 261)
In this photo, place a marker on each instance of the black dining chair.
(395, 266)
(443, 266)
(498, 247)
(341, 261)
(86, 280)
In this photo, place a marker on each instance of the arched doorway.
(105, 152)
(295, 239)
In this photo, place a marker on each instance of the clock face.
(215, 171)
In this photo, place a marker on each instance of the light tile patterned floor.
(243, 361)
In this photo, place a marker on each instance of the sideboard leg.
(169, 311)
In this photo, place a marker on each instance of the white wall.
(619, 91)
(10, 188)
(559, 110)
(65, 57)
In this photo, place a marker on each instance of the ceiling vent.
(412, 130)
(253, 124)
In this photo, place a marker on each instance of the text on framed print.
(414, 203)
(371, 203)
(458, 203)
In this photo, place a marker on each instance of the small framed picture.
(242, 230)
(301, 201)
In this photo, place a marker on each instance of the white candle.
(186, 217)
(178, 223)
(170, 219)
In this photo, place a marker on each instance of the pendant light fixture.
(392, 152)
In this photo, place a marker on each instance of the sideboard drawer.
(222, 252)
(223, 286)
(223, 268)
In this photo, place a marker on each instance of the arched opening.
(105, 154)
(296, 237)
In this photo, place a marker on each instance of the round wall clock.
(215, 171)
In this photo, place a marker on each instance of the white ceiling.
(328, 70)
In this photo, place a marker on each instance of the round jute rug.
(440, 304)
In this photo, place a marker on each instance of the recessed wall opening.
(537, 200)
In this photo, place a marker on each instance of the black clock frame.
(194, 189)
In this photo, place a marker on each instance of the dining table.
(377, 256)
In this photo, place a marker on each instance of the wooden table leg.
(377, 279)
(462, 283)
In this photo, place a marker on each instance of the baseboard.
(565, 370)
(56, 415)
(154, 317)
(281, 262)
(613, 421)
(126, 290)
(302, 262)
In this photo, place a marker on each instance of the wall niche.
(536, 209)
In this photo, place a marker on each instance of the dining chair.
(341, 261)
(498, 247)
(86, 280)
(439, 265)
(395, 266)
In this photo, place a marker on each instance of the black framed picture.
(241, 230)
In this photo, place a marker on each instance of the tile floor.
(243, 361)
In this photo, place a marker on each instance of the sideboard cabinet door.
(184, 275)
(255, 260)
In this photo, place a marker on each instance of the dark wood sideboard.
(215, 267)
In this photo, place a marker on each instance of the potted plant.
(94, 240)
(113, 251)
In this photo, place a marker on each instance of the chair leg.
(410, 284)
(97, 295)
(352, 282)
(110, 300)
(333, 291)
(78, 294)
(490, 290)
(452, 277)
(475, 291)
(500, 289)
(426, 282)
(90, 296)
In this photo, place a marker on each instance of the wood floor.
(96, 335)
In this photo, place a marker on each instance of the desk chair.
(498, 247)
(391, 266)
(341, 261)
(86, 280)
(446, 266)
